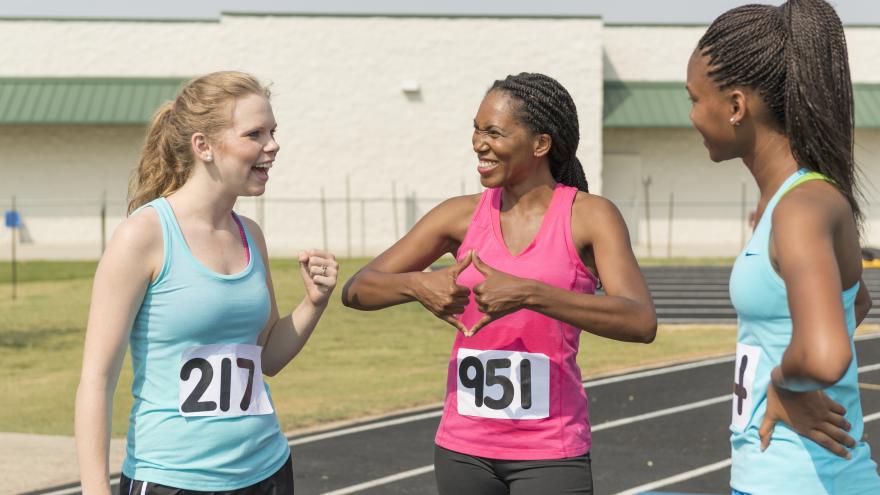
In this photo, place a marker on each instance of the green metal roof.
(85, 100)
(645, 104)
(642, 104)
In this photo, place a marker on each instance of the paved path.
(661, 430)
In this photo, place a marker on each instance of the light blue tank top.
(188, 306)
(792, 464)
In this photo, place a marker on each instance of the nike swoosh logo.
(751, 254)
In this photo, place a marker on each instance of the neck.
(203, 197)
(533, 192)
(770, 162)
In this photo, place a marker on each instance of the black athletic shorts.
(462, 474)
(280, 483)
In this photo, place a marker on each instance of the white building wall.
(708, 218)
(661, 53)
(337, 96)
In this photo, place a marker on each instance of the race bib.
(503, 384)
(222, 380)
(746, 365)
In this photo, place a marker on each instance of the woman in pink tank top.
(529, 251)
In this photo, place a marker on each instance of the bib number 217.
(503, 384)
(222, 380)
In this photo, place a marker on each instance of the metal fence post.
(646, 181)
(669, 234)
(394, 210)
(14, 261)
(324, 218)
(103, 221)
(363, 227)
(348, 215)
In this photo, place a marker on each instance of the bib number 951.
(503, 384)
(222, 380)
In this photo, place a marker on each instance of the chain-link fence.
(354, 225)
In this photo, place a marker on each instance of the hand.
(318, 269)
(439, 293)
(811, 414)
(498, 295)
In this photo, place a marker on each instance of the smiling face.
(712, 110)
(506, 149)
(246, 149)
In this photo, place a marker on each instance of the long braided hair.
(545, 107)
(795, 57)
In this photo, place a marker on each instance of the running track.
(656, 431)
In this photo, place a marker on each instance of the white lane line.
(871, 417)
(382, 481)
(662, 412)
(693, 473)
(869, 367)
(371, 426)
(658, 371)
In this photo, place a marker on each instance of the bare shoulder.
(142, 231)
(460, 205)
(815, 203)
(590, 207)
(454, 214)
(594, 218)
(136, 246)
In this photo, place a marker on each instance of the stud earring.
(208, 158)
(734, 122)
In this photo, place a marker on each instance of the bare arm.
(819, 353)
(396, 276)
(284, 337)
(803, 244)
(120, 283)
(625, 312)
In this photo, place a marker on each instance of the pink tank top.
(514, 390)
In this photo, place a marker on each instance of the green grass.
(356, 364)
(38, 271)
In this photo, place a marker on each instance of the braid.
(795, 57)
(545, 107)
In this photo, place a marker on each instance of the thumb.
(304, 265)
(766, 431)
(463, 263)
(480, 266)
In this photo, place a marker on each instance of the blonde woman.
(185, 281)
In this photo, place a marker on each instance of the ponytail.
(818, 94)
(163, 167)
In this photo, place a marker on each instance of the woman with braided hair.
(529, 251)
(771, 86)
